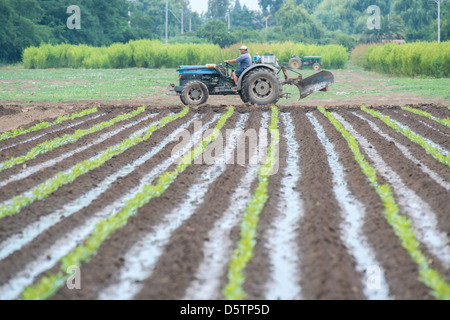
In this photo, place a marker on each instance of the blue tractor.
(259, 84)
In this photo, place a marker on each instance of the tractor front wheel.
(262, 87)
(194, 93)
(316, 66)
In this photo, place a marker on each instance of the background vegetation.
(154, 54)
(411, 59)
(25, 23)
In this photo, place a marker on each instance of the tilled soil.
(180, 228)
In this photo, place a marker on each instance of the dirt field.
(322, 233)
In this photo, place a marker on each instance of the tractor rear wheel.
(194, 93)
(242, 92)
(295, 63)
(262, 87)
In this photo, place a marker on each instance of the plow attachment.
(316, 82)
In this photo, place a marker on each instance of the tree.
(444, 27)
(392, 27)
(103, 22)
(309, 5)
(20, 28)
(217, 9)
(297, 24)
(417, 15)
(337, 15)
(242, 17)
(270, 6)
(216, 32)
(438, 2)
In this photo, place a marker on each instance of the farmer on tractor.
(244, 60)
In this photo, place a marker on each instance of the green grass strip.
(445, 122)
(83, 252)
(401, 225)
(244, 251)
(43, 190)
(43, 125)
(434, 152)
(47, 146)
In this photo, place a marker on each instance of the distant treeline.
(155, 54)
(98, 23)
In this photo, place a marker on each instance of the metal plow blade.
(315, 82)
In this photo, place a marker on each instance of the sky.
(202, 5)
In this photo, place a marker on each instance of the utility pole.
(211, 33)
(267, 18)
(167, 16)
(190, 23)
(439, 19)
(182, 21)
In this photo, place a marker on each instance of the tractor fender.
(254, 67)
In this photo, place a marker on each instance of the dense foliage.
(153, 54)
(224, 22)
(411, 59)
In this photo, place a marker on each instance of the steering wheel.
(227, 64)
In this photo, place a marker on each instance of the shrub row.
(155, 54)
(411, 59)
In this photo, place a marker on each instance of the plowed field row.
(227, 203)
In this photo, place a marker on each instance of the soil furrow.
(23, 148)
(323, 232)
(429, 123)
(432, 207)
(80, 218)
(34, 229)
(415, 149)
(273, 272)
(24, 178)
(419, 128)
(31, 136)
(400, 270)
(67, 148)
(141, 258)
(104, 267)
(407, 154)
(193, 235)
(353, 212)
(329, 267)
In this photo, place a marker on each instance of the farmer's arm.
(231, 61)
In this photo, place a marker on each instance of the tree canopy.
(25, 23)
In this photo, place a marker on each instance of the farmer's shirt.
(245, 60)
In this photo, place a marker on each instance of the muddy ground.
(324, 265)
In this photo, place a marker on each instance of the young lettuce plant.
(434, 152)
(66, 139)
(445, 122)
(244, 252)
(46, 188)
(399, 223)
(49, 284)
(43, 125)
